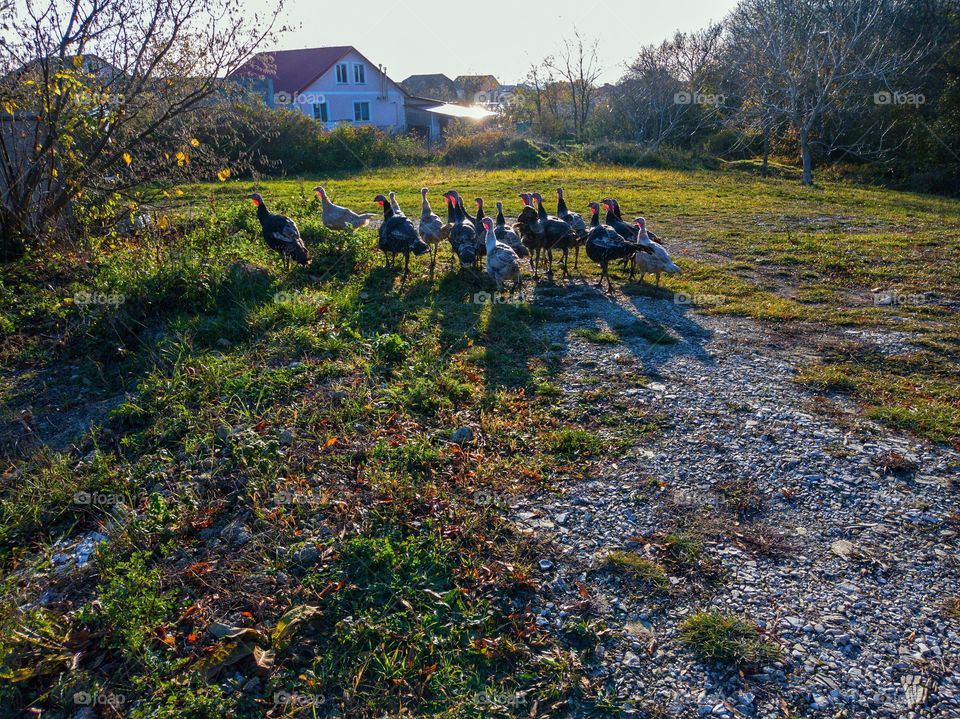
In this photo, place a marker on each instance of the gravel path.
(844, 565)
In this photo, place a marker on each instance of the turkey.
(562, 241)
(502, 262)
(478, 223)
(649, 233)
(281, 234)
(575, 221)
(533, 234)
(654, 258)
(604, 244)
(431, 226)
(397, 235)
(463, 236)
(625, 230)
(340, 218)
(545, 235)
(395, 205)
(619, 214)
(507, 235)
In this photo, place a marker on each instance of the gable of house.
(291, 71)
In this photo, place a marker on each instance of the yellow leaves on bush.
(224, 174)
(182, 159)
(194, 142)
(163, 223)
(127, 158)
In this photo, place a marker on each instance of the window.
(361, 112)
(320, 111)
(342, 73)
(359, 73)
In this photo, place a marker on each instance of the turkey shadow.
(519, 351)
(662, 331)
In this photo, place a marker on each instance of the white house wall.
(386, 112)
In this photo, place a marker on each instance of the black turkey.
(605, 244)
(280, 233)
(397, 235)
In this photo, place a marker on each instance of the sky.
(503, 39)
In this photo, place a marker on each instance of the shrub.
(288, 143)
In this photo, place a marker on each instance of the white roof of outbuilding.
(472, 113)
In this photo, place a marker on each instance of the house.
(332, 85)
(436, 85)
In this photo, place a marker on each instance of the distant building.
(331, 85)
(437, 86)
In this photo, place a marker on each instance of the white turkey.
(340, 218)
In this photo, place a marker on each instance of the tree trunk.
(11, 243)
(765, 169)
(807, 160)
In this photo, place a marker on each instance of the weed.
(726, 638)
(642, 568)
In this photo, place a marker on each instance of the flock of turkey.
(535, 236)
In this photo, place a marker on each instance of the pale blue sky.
(501, 37)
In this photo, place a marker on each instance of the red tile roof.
(292, 70)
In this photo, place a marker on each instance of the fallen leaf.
(264, 658)
(223, 655)
(225, 631)
(290, 622)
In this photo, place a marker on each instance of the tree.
(578, 65)
(666, 94)
(104, 97)
(801, 62)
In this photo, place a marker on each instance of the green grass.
(570, 443)
(640, 568)
(726, 638)
(231, 413)
(600, 337)
(684, 547)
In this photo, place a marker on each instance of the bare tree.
(579, 66)
(800, 61)
(102, 97)
(667, 87)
